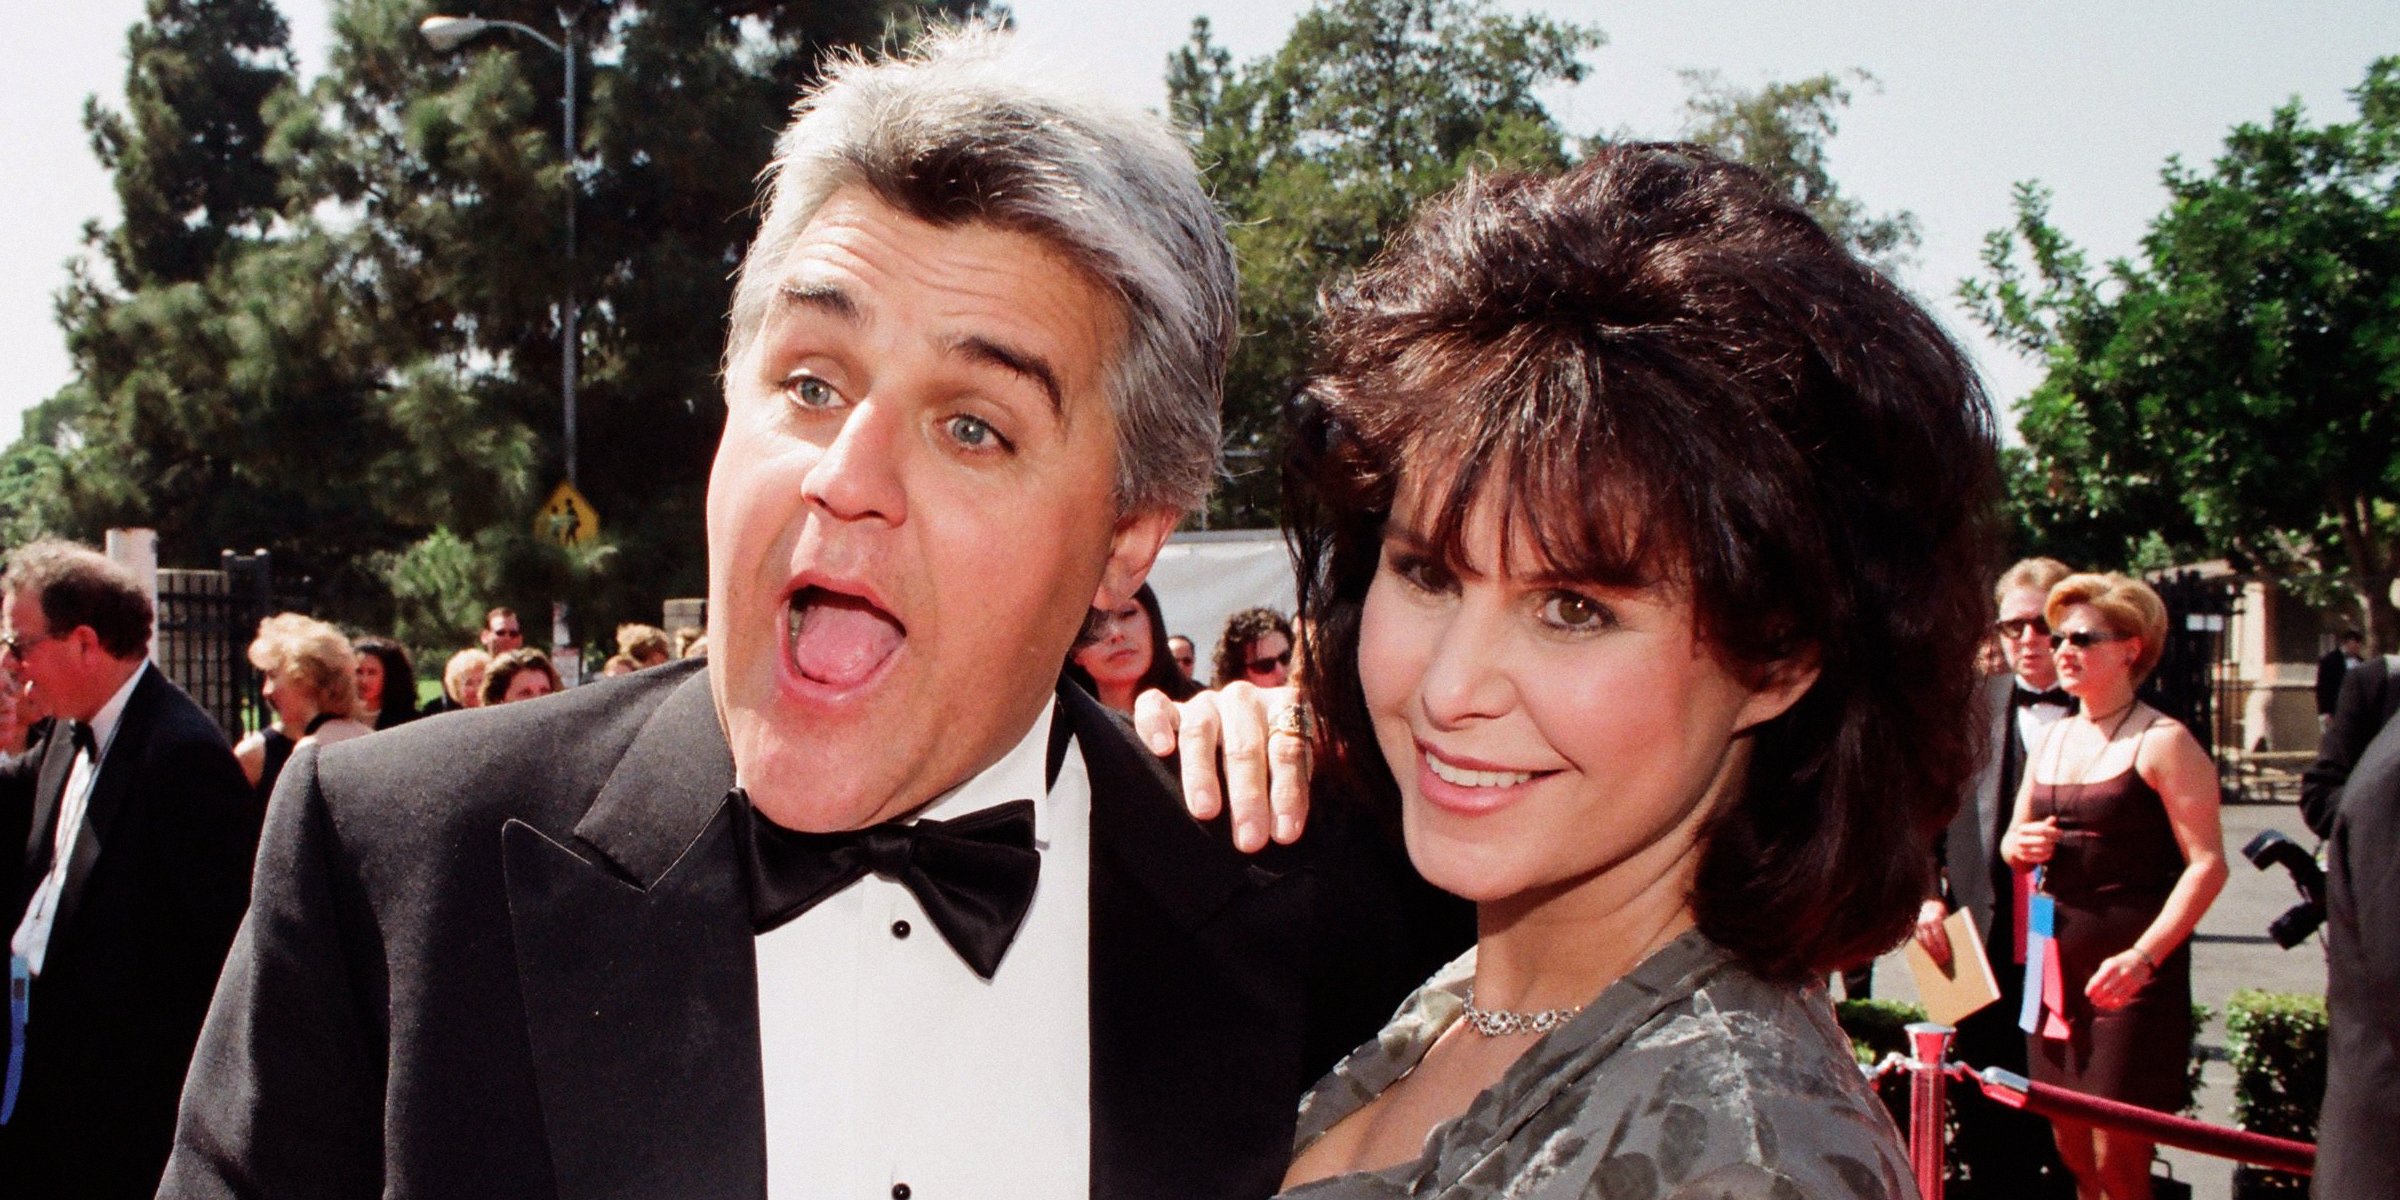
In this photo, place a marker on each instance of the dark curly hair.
(1242, 631)
(1670, 372)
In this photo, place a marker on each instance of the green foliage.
(2231, 393)
(2192, 1067)
(1783, 129)
(440, 589)
(334, 327)
(1877, 1027)
(1323, 148)
(2277, 1046)
(188, 151)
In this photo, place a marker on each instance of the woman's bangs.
(1538, 433)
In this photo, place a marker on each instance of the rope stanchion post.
(1929, 1049)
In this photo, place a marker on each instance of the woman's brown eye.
(1569, 610)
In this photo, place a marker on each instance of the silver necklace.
(1500, 1022)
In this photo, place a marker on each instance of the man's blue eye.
(972, 431)
(808, 391)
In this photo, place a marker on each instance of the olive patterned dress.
(1689, 1077)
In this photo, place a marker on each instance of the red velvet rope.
(2280, 1154)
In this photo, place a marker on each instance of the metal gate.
(206, 620)
(2188, 680)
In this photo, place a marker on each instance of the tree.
(359, 368)
(2233, 391)
(1321, 149)
(1371, 107)
(189, 151)
(1784, 130)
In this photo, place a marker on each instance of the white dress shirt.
(2033, 723)
(893, 1071)
(32, 938)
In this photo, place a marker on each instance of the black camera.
(2272, 849)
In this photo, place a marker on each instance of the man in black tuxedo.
(136, 866)
(2356, 1152)
(2331, 668)
(2370, 695)
(2008, 1152)
(630, 941)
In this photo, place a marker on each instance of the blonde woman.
(2119, 810)
(312, 687)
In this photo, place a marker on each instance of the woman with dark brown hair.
(1123, 654)
(387, 683)
(1256, 649)
(1642, 532)
(521, 674)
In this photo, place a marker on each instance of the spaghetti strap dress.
(2115, 863)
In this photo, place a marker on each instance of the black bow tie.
(2057, 696)
(974, 876)
(79, 735)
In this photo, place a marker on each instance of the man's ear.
(1132, 547)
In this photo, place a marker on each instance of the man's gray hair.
(957, 130)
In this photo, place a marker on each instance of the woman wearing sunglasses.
(2119, 815)
(1256, 649)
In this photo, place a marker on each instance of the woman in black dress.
(2119, 811)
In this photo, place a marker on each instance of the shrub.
(2277, 1044)
(1876, 1027)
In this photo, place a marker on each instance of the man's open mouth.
(838, 639)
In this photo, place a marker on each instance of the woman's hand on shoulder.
(1265, 766)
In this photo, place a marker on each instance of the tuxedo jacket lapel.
(49, 787)
(1196, 1015)
(119, 763)
(640, 987)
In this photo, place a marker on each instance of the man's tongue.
(840, 640)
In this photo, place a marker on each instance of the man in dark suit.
(866, 904)
(2332, 668)
(2356, 1152)
(2007, 1151)
(136, 868)
(2370, 695)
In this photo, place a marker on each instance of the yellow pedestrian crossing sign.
(567, 518)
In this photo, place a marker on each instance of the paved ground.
(2231, 951)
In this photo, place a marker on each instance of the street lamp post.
(446, 34)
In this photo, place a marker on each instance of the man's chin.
(807, 810)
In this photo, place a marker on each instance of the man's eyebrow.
(823, 297)
(1021, 362)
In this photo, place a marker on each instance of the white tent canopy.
(1203, 578)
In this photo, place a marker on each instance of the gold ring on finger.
(1295, 719)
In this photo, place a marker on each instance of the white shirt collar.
(1021, 774)
(104, 722)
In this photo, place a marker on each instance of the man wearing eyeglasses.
(135, 874)
(2009, 1152)
(502, 632)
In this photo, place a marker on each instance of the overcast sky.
(2089, 98)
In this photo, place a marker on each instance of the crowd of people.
(1644, 539)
